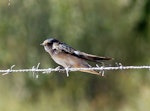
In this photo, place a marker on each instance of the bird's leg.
(58, 67)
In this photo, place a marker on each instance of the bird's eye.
(49, 44)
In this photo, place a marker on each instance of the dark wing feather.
(67, 49)
(92, 58)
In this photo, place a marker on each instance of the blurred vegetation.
(119, 29)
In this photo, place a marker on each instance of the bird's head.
(48, 44)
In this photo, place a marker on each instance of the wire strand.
(36, 70)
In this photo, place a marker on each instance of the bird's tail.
(91, 72)
(93, 58)
(86, 65)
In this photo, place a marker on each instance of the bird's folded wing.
(92, 58)
(67, 49)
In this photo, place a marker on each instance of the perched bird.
(69, 57)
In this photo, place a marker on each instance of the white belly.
(69, 61)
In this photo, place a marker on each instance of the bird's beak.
(42, 44)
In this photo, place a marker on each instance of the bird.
(68, 57)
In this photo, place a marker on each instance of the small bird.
(69, 57)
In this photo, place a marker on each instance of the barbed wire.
(35, 69)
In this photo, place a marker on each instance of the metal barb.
(38, 65)
(67, 71)
(101, 72)
(103, 64)
(121, 66)
(98, 67)
(117, 64)
(34, 72)
(9, 70)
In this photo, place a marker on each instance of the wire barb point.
(101, 72)
(67, 71)
(35, 72)
(9, 70)
(121, 66)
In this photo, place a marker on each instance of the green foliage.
(119, 29)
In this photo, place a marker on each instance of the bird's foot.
(101, 72)
(57, 68)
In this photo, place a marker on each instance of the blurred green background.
(114, 28)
